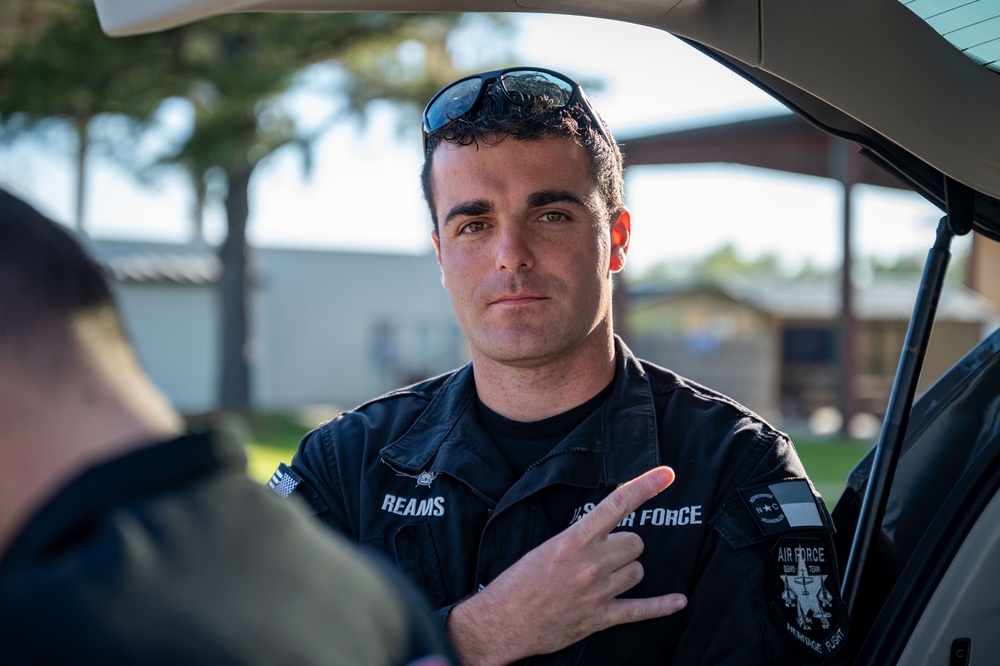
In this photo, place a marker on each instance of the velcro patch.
(284, 481)
(778, 507)
(809, 608)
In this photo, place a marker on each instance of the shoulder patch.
(284, 481)
(779, 507)
(809, 608)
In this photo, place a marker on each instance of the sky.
(363, 191)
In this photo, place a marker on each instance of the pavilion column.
(844, 168)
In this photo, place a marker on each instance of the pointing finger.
(626, 499)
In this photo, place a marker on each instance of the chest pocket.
(417, 557)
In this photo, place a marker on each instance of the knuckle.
(634, 543)
(562, 544)
(590, 573)
(629, 545)
(617, 503)
(635, 613)
(636, 573)
(630, 576)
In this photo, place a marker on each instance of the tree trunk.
(234, 386)
(81, 126)
(198, 212)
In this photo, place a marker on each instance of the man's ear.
(621, 231)
(437, 252)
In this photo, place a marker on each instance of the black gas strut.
(957, 222)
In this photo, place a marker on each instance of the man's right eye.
(472, 227)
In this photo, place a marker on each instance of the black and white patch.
(782, 506)
(808, 607)
(284, 481)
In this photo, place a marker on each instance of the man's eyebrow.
(546, 197)
(469, 209)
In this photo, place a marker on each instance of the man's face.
(525, 248)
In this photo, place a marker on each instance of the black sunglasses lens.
(518, 84)
(451, 103)
(522, 84)
(527, 83)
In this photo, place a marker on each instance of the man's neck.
(52, 431)
(535, 392)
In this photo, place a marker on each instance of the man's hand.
(565, 589)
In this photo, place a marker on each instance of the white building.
(327, 328)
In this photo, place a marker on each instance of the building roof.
(156, 263)
(784, 142)
(153, 262)
(165, 268)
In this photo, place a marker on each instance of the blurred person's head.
(524, 104)
(54, 298)
(72, 391)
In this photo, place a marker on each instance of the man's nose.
(514, 252)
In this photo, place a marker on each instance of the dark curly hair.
(531, 117)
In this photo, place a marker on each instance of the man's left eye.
(553, 216)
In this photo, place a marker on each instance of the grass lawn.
(263, 459)
(828, 461)
(273, 438)
(269, 438)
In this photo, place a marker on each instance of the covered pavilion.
(786, 142)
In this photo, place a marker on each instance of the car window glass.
(973, 27)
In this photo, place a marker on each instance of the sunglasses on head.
(464, 95)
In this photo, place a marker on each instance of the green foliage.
(24, 20)
(913, 264)
(62, 70)
(238, 67)
(65, 72)
(721, 264)
(726, 261)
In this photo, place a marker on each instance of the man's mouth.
(513, 300)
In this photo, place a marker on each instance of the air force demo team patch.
(809, 608)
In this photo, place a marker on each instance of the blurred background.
(251, 184)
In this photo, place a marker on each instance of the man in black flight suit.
(498, 488)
